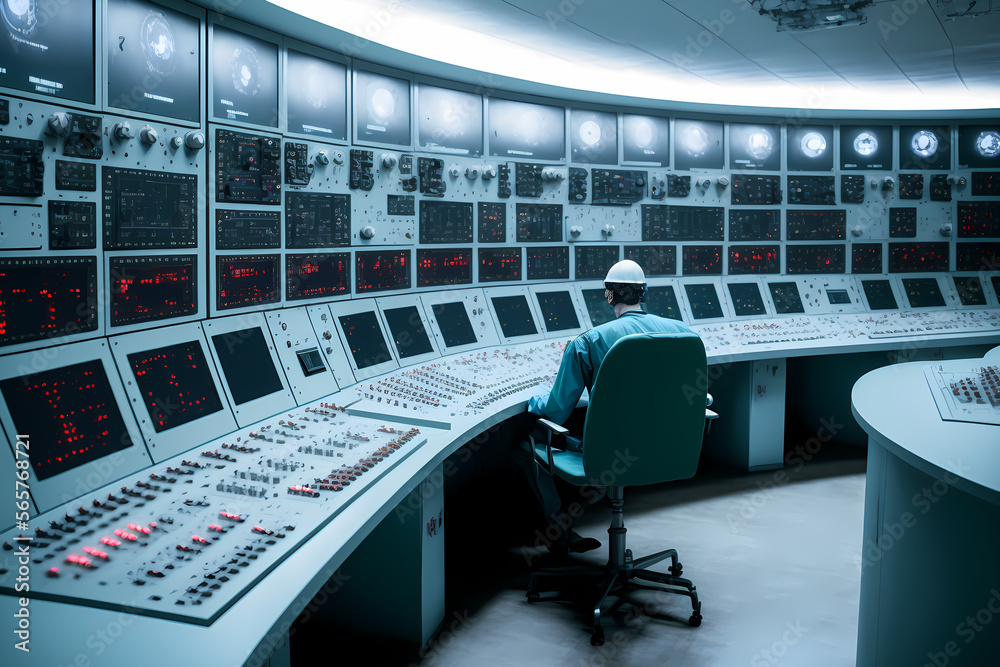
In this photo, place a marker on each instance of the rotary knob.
(367, 232)
(389, 160)
(122, 131)
(58, 125)
(194, 140)
(322, 158)
(472, 173)
(147, 135)
(489, 171)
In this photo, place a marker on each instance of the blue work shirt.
(584, 356)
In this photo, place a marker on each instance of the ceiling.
(910, 57)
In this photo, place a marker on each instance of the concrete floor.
(775, 559)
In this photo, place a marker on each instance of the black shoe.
(579, 545)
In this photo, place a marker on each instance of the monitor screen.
(149, 209)
(317, 275)
(704, 301)
(154, 59)
(810, 148)
(514, 315)
(646, 139)
(499, 264)
(175, 384)
(71, 414)
(449, 121)
(557, 311)
(546, 262)
(381, 109)
(698, 144)
(866, 147)
(924, 147)
(755, 146)
(407, 331)
(144, 289)
(970, 290)
(46, 297)
(786, 298)
(445, 222)
(923, 292)
(979, 146)
(310, 361)
(246, 364)
(879, 294)
(492, 222)
(48, 48)
(247, 280)
(593, 137)
(244, 75)
(525, 130)
(593, 262)
(662, 301)
(866, 258)
(437, 267)
(317, 96)
(655, 260)
(317, 220)
(364, 337)
(838, 297)
(747, 300)
(453, 321)
(598, 308)
(378, 270)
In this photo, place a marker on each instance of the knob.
(367, 232)
(857, 231)
(608, 230)
(454, 171)
(946, 229)
(888, 182)
(58, 125)
(147, 135)
(338, 157)
(176, 142)
(952, 180)
(122, 131)
(576, 230)
(723, 181)
(194, 140)
(472, 173)
(389, 160)
(322, 158)
(703, 184)
(489, 171)
(552, 174)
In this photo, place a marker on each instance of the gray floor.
(776, 562)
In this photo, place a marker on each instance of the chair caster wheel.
(676, 570)
(533, 596)
(597, 639)
(695, 620)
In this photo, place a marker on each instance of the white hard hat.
(626, 271)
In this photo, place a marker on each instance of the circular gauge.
(590, 132)
(157, 41)
(382, 103)
(812, 144)
(924, 143)
(865, 144)
(643, 134)
(760, 145)
(988, 143)
(246, 71)
(19, 16)
(695, 140)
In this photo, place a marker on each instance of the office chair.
(644, 425)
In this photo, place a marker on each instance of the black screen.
(704, 301)
(71, 414)
(310, 361)
(662, 301)
(655, 260)
(698, 144)
(865, 147)
(754, 259)
(247, 168)
(593, 262)
(246, 364)
(149, 209)
(154, 57)
(521, 129)
(682, 223)
(514, 316)
(755, 146)
(539, 222)
(450, 121)
(879, 294)
(923, 292)
(557, 311)
(754, 225)
(319, 275)
(837, 296)
(22, 168)
(701, 260)
(911, 257)
(72, 224)
(866, 258)
(499, 264)
(492, 222)
(364, 338)
(445, 222)
(407, 331)
(175, 384)
(810, 148)
(317, 220)
(48, 48)
(827, 225)
(646, 139)
(786, 298)
(144, 289)
(246, 280)
(44, 298)
(746, 299)
(801, 259)
(547, 263)
(381, 109)
(317, 96)
(593, 137)
(378, 270)
(598, 308)
(444, 267)
(453, 321)
(244, 75)
(247, 229)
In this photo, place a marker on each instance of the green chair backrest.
(646, 416)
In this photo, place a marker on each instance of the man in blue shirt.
(625, 286)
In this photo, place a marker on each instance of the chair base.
(618, 578)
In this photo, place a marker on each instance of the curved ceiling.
(910, 56)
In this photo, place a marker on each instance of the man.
(625, 286)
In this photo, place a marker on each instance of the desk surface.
(896, 408)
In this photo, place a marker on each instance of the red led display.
(444, 267)
(499, 264)
(246, 280)
(379, 270)
(492, 222)
(909, 257)
(702, 260)
(71, 414)
(744, 259)
(45, 298)
(829, 225)
(319, 275)
(866, 258)
(175, 384)
(977, 256)
(144, 289)
(979, 219)
(815, 259)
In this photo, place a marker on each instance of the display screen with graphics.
(522, 129)
(449, 121)
(316, 90)
(866, 147)
(810, 148)
(175, 384)
(381, 109)
(698, 144)
(593, 137)
(244, 74)
(645, 139)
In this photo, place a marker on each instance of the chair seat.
(568, 465)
